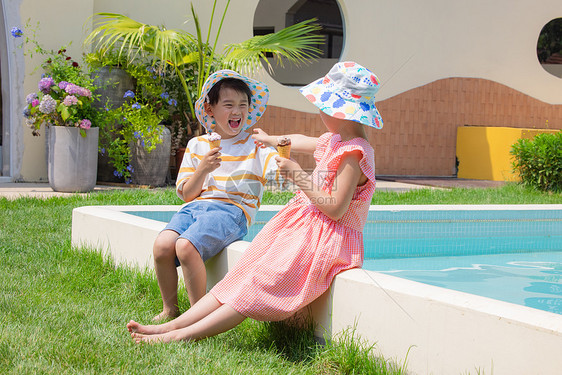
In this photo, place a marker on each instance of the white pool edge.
(441, 331)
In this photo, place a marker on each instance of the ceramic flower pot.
(151, 168)
(72, 160)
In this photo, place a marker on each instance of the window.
(274, 15)
(549, 47)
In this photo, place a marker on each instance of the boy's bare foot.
(135, 327)
(165, 315)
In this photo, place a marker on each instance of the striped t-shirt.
(244, 171)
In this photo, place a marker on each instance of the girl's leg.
(200, 310)
(220, 320)
(193, 268)
(164, 251)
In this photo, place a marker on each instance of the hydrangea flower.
(73, 89)
(85, 124)
(70, 100)
(45, 85)
(47, 105)
(26, 112)
(63, 84)
(35, 103)
(30, 98)
(16, 32)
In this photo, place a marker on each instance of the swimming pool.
(512, 255)
(438, 330)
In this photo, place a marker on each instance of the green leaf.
(64, 113)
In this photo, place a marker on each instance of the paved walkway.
(13, 190)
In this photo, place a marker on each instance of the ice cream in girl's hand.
(284, 147)
(214, 139)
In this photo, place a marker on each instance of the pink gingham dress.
(295, 257)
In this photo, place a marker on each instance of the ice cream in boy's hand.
(214, 140)
(284, 147)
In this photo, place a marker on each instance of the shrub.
(539, 161)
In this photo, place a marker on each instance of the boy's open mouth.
(234, 124)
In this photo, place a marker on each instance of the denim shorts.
(209, 225)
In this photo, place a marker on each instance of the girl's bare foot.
(165, 315)
(135, 327)
(151, 339)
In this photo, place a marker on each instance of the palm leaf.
(113, 30)
(296, 43)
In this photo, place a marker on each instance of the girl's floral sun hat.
(257, 106)
(347, 92)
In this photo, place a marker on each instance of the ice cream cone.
(284, 147)
(284, 151)
(214, 140)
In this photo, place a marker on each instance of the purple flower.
(26, 112)
(136, 106)
(85, 124)
(85, 92)
(35, 103)
(164, 95)
(47, 105)
(102, 151)
(173, 102)
(16, 32)
(70, 100)
(137, 135)
(45, 85)
(72, 89)
(129, 94)
(63, 84)
(30, 98)
(130, 168)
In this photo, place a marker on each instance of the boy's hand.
(262, 139)
(210, 161)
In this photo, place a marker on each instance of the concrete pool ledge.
(435, 330)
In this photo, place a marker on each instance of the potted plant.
(63, 103)
(134, 140)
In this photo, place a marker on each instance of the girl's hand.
(289, 169)
(210, 161)
(262, 139)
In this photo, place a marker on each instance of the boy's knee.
(185, 251)
(164, 246)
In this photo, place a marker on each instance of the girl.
(295, 257)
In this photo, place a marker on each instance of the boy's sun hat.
(257, 105)
(348, 92)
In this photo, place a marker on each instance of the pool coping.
(436, 330)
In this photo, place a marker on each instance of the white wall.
(60, 22)
(407, 43)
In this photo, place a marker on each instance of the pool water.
(510, 255)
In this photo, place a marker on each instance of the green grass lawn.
(64, 310)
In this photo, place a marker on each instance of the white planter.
(72, 162)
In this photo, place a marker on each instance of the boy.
(222, 186)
